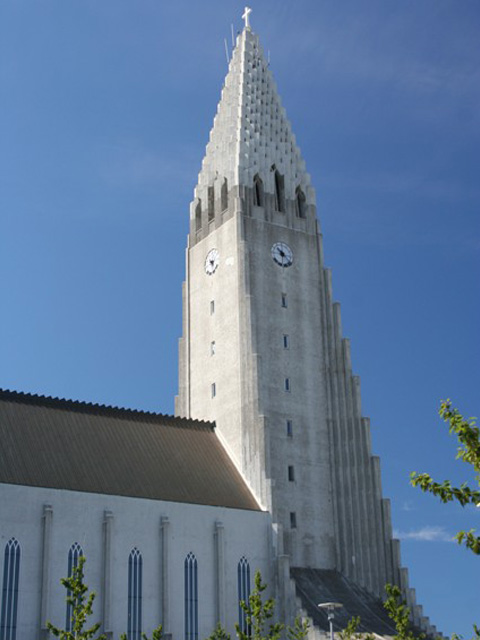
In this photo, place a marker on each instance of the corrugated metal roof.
(322, 585)
(64, 444)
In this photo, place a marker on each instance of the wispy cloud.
(425, 534)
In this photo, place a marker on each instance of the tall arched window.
(243, 572)
(279, 192)
(74, 554)
(300, 203)
(224, 195)
(257, 191)
(211, 203)
(191, 598)
(134, 623)
(198, 216)
(11, 569)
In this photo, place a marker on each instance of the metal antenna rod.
(233, 37)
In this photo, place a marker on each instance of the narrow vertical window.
(293, 520)
(213, 389)
(286, 341)
(212, 307)
(224, 195)
(198, 216)
(243, 573)
(212, 348)
(191, 598)
(291, 473)
(74, 554)
(287, 384)
(257, 191)
(11, 568)
(284, 300)
(289, 428)
(211, 203)
(300, 203)
(134, 622)
(279, 192)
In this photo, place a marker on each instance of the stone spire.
(251, 133)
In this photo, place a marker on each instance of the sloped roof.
(314, 586)
(64, 444)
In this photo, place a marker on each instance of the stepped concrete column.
(219, 541)
(107, 573)
(164, 575)
(47, 521)
(283, 575)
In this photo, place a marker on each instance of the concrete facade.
(251, 405)
(268, 363)
(262, 352)
(46, 522)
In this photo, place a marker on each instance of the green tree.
(157, 634)
(476, 634)
(468, 435)
(257, 614)
(299, 631)
(351, 630)
(399, 613)
(82, 606)
(219, 633)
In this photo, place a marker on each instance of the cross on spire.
(246, 17)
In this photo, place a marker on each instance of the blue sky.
(105, 110)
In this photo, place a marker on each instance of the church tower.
(262, 353)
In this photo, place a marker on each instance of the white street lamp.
(330, 607)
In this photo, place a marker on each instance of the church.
(267, 463)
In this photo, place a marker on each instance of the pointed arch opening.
(11, 571)
(191, 597)
(198, 216)
(224, 195)
(211, 203)
(134, 621)
(279, 192)
(300, 203)
(243, 576)
(74, 554)
(258, 197)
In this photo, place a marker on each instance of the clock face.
(282, 254)
(212, 261)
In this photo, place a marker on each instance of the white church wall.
(78, 517)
